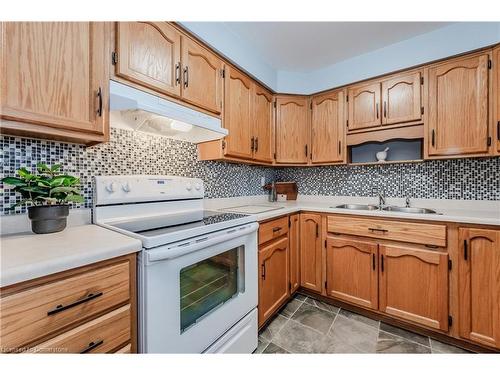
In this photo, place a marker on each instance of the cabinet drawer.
(29, 315)
(273, 229)
(427, 234)
(100, 335)
(127, 349)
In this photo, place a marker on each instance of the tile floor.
(306, 325)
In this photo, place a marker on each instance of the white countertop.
(27, 256)
(456, 211)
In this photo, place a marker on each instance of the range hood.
(140, 111)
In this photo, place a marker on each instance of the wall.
(471, 179)
(447, 41)
(127, 153)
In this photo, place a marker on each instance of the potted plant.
(49, 194)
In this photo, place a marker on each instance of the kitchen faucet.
(381, 198)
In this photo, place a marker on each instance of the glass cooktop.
(164, 224)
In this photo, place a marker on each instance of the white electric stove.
(198, 269)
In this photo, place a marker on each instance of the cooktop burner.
(158, 225)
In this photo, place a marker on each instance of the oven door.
(193, 291)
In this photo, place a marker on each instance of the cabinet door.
(352, 271)
(149, 53)
(310, 252)
(458, 107)
(201, 76)
(292, 130)
(496, 95)
(294, 248)
(414, 285)
(479, 285)
(328, 128)
(273, 280)
(364, 106)
(263, 124)
(55, 74)
(401, 99)
(237, 114)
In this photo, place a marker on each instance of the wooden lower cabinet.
(294, 252)
(479, 285)
(87, 309)
(273, 278)
(351, 271)
(413, 284)
(311, 252)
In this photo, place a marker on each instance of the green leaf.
(42, 167)
(57, 181)
(25, 174)
(34, 189)
(63, 189)
(75, 198)
(14, 181)
(55, 168)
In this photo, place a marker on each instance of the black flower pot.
(48, 219)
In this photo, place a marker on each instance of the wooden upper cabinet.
(201, 76)
(294, 252)
(238, 114)
(263, 124)
(414, 284)
(479, 285)
(496, 95)
(311, 252)
(328, 128)
(292, 130)
(273, 280)
(352, 271)
(55, 75)
(458, 107)
(401, 99)
(149, 53)
(364, 106)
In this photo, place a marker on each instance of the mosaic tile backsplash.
(137, 153)
(472, 179)
(127, 153)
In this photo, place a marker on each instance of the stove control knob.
(126, 187)
(197, 186)
(110, 187)
(189, 187)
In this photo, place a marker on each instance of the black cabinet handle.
(465, 250)
(252, 144)
(385, 109)
(382, 263)
(256, 143)
(87, 298)
(377, 108)
(276, 229)
(433, 137)
(178, 73)
(263, 274)
(186, 76)
(92, 345)
(99, 96)
(317, 230)
(498, 131)
(378, 230)
(305, 149)
(340, 146)
(373, 261)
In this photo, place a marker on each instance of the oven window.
(206, 285)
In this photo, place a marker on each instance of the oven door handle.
(177, 251)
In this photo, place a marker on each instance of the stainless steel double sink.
(372, 207)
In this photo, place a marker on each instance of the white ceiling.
(305, 46)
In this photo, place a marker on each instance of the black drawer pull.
(276, 229)
(87, 298)
(99, 96)
(373, 261)
(92, 345)
(465, 250)
(263, 274)
(378, 230)
(382, 263)
(256, 144)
